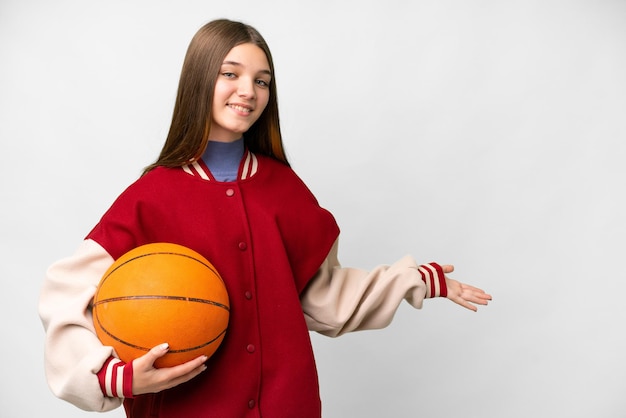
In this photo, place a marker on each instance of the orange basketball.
(161, 293)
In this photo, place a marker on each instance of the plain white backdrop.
(486, 134)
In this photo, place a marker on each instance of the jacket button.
(243, 246)
(250, 348)
(248, 295)
(230, 192)
(251, 403)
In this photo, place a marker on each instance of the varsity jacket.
(276, 250)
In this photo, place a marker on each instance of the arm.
(79, 368)
(73, 353)
(340, 300)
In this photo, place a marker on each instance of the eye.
(263, 83)
(229, 74)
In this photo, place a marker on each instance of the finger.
(187, 376)
(471, 290)
(466, 297)
(174, 372)
(190, 365)
(173, 376)
(477, 299)
(466, 304)
(147, 360)
(479, 296)
(447, 268)
(484, 296)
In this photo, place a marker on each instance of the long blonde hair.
(191, 121)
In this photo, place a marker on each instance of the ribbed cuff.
(435, 279)
(128, 380)
(116, 378)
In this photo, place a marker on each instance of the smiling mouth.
(240, 108)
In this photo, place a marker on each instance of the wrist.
(435, 280)
(116, 378)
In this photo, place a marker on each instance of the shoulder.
(282, 175)
(160, 174)
(157, 179)
(268, 163)
(284, 189)
(121, 225)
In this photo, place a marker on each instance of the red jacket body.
(267, 236)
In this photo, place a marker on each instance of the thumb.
(447, 268)
(147, 360)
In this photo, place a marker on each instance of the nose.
(246, 88)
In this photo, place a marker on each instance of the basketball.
(161, 293)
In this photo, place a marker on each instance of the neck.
(223, 158)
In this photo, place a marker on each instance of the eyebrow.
(238, 64)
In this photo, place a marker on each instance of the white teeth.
(240, 108)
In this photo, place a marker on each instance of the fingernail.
(204, 358)
(165, 346)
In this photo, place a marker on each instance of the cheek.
(220, 94)
(263, 99)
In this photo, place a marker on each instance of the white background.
(486, 134)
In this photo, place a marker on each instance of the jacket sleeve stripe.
(435, 279)
(110, 377)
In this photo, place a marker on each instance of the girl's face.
(241, 92)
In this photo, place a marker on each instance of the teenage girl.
(222, 186)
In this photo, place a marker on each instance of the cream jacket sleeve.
(340, 300)
(73, 353)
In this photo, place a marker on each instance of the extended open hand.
(464, 294)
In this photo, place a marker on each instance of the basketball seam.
(166, 297)
(172, 351)
(210, 267)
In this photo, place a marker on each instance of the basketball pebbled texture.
(161, 293)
